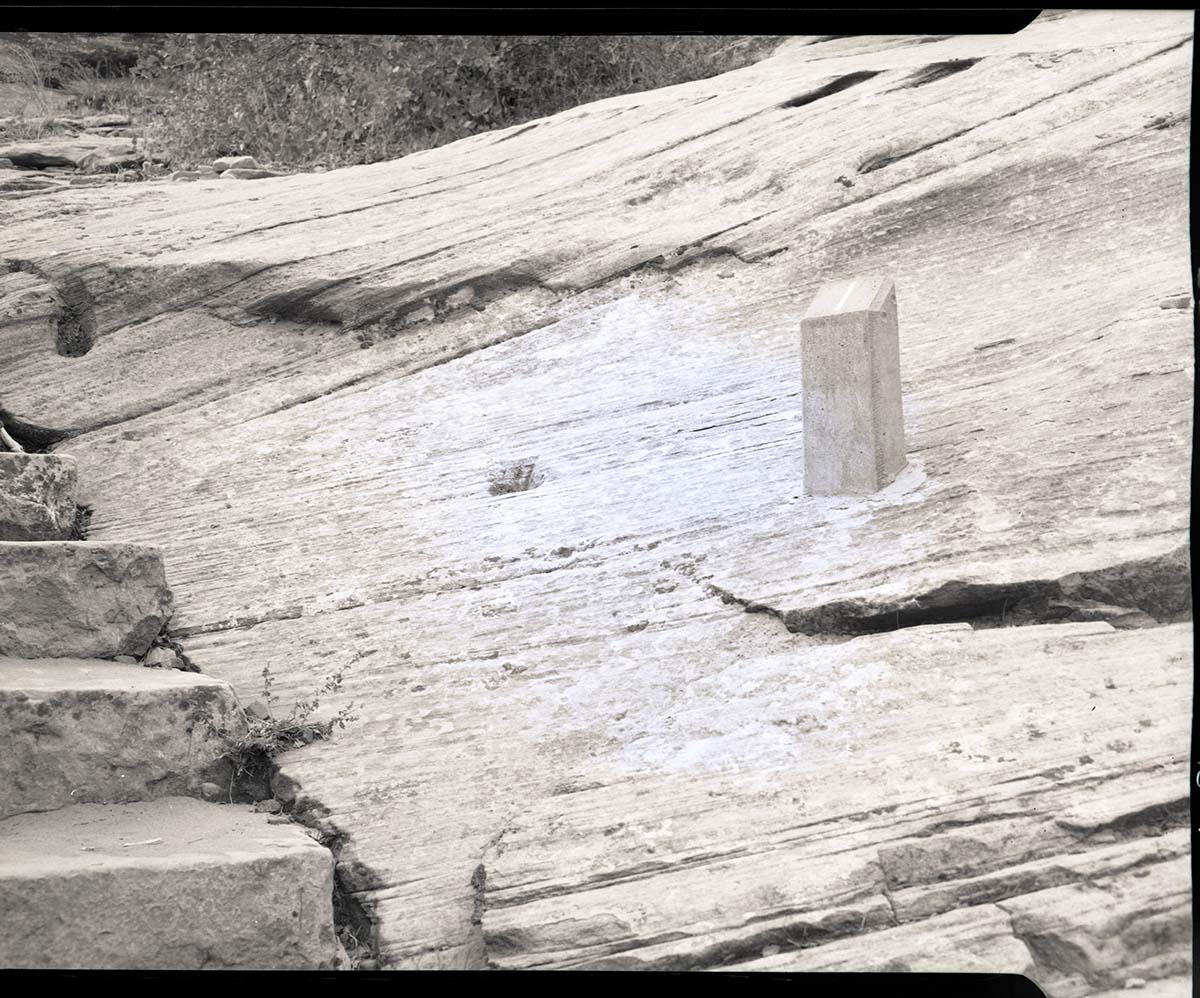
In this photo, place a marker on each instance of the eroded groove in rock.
(476, 944)
(76, 332)
(833, 87)
(936, 71)
(871, 162)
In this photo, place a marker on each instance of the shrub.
(336, 100)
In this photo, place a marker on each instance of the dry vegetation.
(337, 100)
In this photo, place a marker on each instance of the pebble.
(161, 658)
(268, 807)
(210, 791)
(126, 660)
(259, 709)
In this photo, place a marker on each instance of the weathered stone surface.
(235, 163)
(80, 599)
(174, 884)
(180, 175)
(1136, 987)
(1097, 935)
(640, 843)
(37, 497)
(246, 173)
(319, 377)
(87, 731)
(99, 163)
(915, 903)
(92, 181)
(66, 151)
(972, 941)
(25, 181)
(30, 309)
(103, 120)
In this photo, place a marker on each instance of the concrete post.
(850, 359)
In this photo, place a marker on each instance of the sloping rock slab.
(80, 599)
(795, 796)
(601, 309)
(971, 941)
(1099, 934)
(76, 731)
(37, 497)
(1101, 930)
(66, 151)
(30, 309)
(173, 884)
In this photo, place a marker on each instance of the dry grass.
(32, 105)
(24, 95)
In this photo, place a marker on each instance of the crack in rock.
(833, 87)
(1141, 593)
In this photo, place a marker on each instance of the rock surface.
(80, 599)
(87, 731)
(68, 151)
(174, 884)
(37, 497)
(575, 744)
(854, 800)
(178, 175)
(226, 163)
(1100, 934)
(971, 941)
(246, 173)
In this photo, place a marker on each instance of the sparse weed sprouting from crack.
(251, 753)
(82, 524)
(354, 930)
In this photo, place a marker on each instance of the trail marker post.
(850, 360)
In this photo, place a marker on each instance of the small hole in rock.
(520, 476)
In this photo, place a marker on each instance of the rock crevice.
(1141, 593)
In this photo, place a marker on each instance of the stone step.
(37, 497)
(78, 731)
(80, 599)
(172, 884)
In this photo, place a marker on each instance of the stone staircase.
(118, 845)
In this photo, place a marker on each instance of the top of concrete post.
(858, 294)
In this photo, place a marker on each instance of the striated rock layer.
(510, 431)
